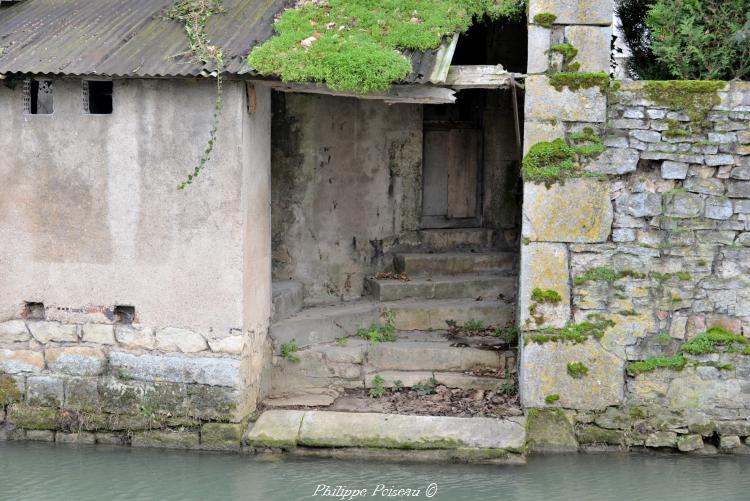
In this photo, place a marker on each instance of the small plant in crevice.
(288, 350)
(473, 325)
(194, 14)
(676, 363)
(551, 399)
(714, 338)
(509, 387)
(378, 387)
(576, 370)
(398, 386)
(342, 341)
(385, 333)
(122, 374)
(426, 388)
(594, 326)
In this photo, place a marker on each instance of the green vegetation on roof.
(353, 45)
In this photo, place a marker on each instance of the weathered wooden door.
(451, 177)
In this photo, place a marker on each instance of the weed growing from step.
(342, 341)
(473, 325)
(381, 333)
(577, 370)
(288, 351)
(509, 387)
(424, 389)
(509, 333)
(378, 387)
(122, 374)
(398, 385)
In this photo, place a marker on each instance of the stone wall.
(631, 260)
(91, 220)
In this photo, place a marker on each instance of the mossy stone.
(221, 436)
(596, 435)
(549, 430)
(34, 418)
(167, 439)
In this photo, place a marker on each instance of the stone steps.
(441, 240)
(398, 436)
(286, 298)
(434, 313)
(431, 356)
(469, 285)
(451, 380)
(451, 263)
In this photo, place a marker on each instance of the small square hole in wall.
(97, 97)
(38, 96)
(124, 314)
(34, 311)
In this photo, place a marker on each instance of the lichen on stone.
(593, 327)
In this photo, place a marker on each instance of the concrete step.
(324, 324)
(449, 379)
(431, 356)
(415, 437)
(287, 299)
(457, 239)
(470, 285)
(433, 314)
(451, 263)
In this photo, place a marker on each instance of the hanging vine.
(194, 15)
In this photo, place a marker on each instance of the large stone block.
(614, 161)
(544, 102)
(684, 205)
(167, 439)
(135, 338)
(544, 266)
(544, 372)
(593, 44)
(44, 391)
(221, 436)
(598, 12)
(76, 360)
(20, 361)
(537, 132)
(182, 340)
(549, 430)
(578, 211)
(44, 332)
(98, 333)
(14, 331)
(539, 44)
(180, 369)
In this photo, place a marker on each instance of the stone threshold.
(389, 436)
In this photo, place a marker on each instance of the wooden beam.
(419, 94)
(478, 77)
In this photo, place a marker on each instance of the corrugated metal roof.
(129, 38)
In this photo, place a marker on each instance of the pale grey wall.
(90, 215)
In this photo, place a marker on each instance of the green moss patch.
(602, 273)
(574, 80)
(595, 326)
(353, 45)
(568, 53)
(545, 19)
(9, 392)
(676, 363)
(577, 370)
(694, 97)
(550, 162)
(551, 399)
(545, 296)
(714, 339)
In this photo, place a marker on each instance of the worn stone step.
(457, 239)
(470, 285)
(324, 324)
(451, 263)
(449, 379)
(287, 299)
(431, 356)
(433, 314)
(477, 439)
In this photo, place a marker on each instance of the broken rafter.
(479, 77)
(419, 94)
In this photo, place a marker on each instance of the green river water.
(36, 471)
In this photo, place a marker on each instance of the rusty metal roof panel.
(124, 38)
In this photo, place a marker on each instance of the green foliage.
(342, 341)
(663, 277)
(378, 387)
(552, 161)
(568, 53)
(674, 130)
(288, 351)
(122, 374)
(545, 19)
(635, 32)
(545, 296)
(353, 45)
(194, 14)
(509, 333)
(9, 392)
(663, 337)
(509, 387)
(712, 339)
(385, 333)
(595, 326)
(600, 273)
(473, 325)
(693, 97)
(551, 399)
(398, 385)
(424, 389)
(577, 370)
(574, 80)
(676, 363)
(701, 39)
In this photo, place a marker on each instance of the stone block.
(44, 391)
(687, 443)
(537, 132)
(684, 205)
(221, 436)
(549, 430)
(81, 437)
(135, 338)
(21, 361)
(593, 435)
(120, 397)
(214, 403)
(614, 161)
(710, 186)
(166, 439)
(544, 266)
(674, 170)
(717, 160)
(661, 439)
(544, 372)
(182, 340)
(81, 393)
(98, 333)
(591, 42)
(539, 44)
(76, 360)
(40, 435)
(230, 344)
(44, 332)
(729, 442)
(739, 189)
(597, 12)
(644, 204)
(276, 429)
(578, 211)
(741, 172)
(14, 331)
(719, 208)
(544, 102)
(32, 417)
(179, 369)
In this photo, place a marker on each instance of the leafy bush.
(687, 39)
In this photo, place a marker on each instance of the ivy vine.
(194, 15)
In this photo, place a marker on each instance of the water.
(37, 471)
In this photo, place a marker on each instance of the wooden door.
(451, 178)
